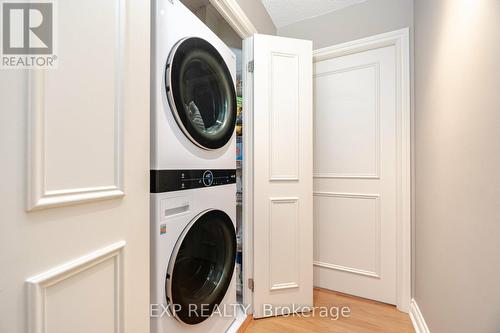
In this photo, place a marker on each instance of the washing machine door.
(201, 93)
(201, 267)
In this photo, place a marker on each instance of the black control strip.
(176, 180)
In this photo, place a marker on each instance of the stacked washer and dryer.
(193, 177)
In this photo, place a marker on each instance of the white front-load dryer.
(193, 96)
(193, 251)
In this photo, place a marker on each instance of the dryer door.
(201, 267)
(201, 93)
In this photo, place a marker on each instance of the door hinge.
(250, 284)
(250, 66)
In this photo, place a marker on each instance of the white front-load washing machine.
(193, 250)
(193, 177)
(193, 96)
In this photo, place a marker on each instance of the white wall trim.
(38, 285)
(417, 318)
(235, 16)
(38, 196)
(401, 41)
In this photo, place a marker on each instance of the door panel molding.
(40, 285)
(39, 195)
(293, 244)
(346, 269)
(377, 234)
(375, 66)
(400, 40)
(286, 133)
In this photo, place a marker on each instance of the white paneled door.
(282, 174)
(74, 194)
(355, 171)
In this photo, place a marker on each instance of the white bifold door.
(279, 102)
(355, 171)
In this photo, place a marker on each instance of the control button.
(208, 178)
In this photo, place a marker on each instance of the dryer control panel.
(177, 180)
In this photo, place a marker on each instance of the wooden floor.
(366, 316)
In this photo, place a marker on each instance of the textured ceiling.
(285, 12)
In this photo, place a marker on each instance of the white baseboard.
(417, 318)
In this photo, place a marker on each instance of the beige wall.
(258, 15)
(457, 98)
(362, 20)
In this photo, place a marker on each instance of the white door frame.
(236, 18)
(400, 40)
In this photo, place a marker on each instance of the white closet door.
(282, 174)
(355, 170)
(74, 220)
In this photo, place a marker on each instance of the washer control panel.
(208, 178)
(176, 180)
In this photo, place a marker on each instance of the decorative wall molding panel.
(284, 247)
(54, 295)
(75, 147)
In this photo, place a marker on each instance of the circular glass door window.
(201, 267)
(201, 93)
